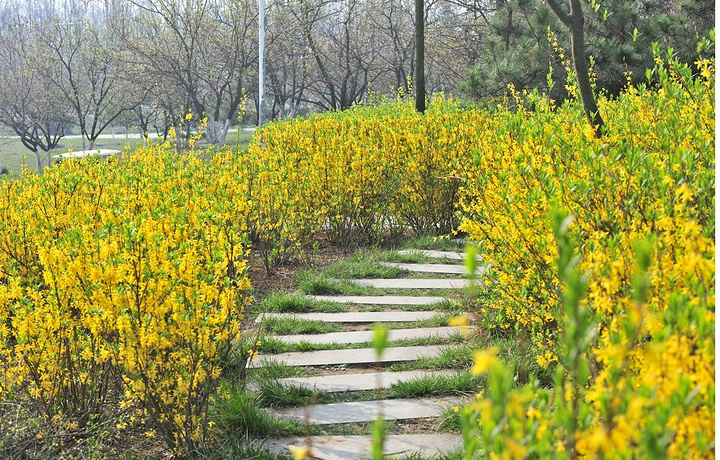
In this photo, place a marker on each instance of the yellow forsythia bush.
(357, 173)
(631, 321)
(123, 280)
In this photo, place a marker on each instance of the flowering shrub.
(122, 279)
(129, 278)
(357, 173)
(635, 342)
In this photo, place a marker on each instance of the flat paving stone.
(452, 255)
(358, 447)
(367, 336)
(367, 411)
(414, 283)
(357, 317)
(381, 299)
(452, 269)
(349, 356)
(359, 382)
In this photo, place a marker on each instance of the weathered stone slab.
(357, 317)
(359, 382)
(452, 255)
(381, 299)
(366, 336)
(414, 283)
(352, 356)
(358, 447)
(367, 411)
(453, 269)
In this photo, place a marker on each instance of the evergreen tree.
(619, 37)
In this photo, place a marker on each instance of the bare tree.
(395, 19)
(84, 63)
(344, 47)
(290, 67)
(204, 48)
(29, 106)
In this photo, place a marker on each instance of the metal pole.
(261, 63)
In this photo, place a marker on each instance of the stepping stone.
(452, 255)
(367, 411)
(381, 299)
(414, 283)
(367, 336)
(358, 447)
(359, 382)
(357, 317)
(430, 268)
(351, 356)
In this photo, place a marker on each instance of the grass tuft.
(241, 414)
(292, 325)
(440, 385)
(361, 265)
(298, 303)
(318, 283)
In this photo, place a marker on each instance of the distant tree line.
(93, 64)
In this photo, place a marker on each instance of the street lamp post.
(261, 62)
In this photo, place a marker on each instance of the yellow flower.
(460, 321)
(298, 452)
(484, 360)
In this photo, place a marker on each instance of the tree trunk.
(419, 82)
(575, 22)
(40, 161)
(577, 39)
(216, 132)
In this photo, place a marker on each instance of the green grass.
(270, 344)
(409, 258)
(436, 243)
(281, 302)
(450, 420)
(241, 415)
(517, 351)
(446, 306)
(240, 447)
(440, 385)
(364, 264)
(318, 283)
(292, 325)
(439, 320)
(272, 393)
(455, 455)
(454, 357)
(273, 370)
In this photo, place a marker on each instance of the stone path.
(367, 336)
(381, 299)
(344, 380)
(415, 283)
(452, 269)
(437, 254)
(349, 447)
(349, 356)
(359, 382)
(364, 411)
(357, 317)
